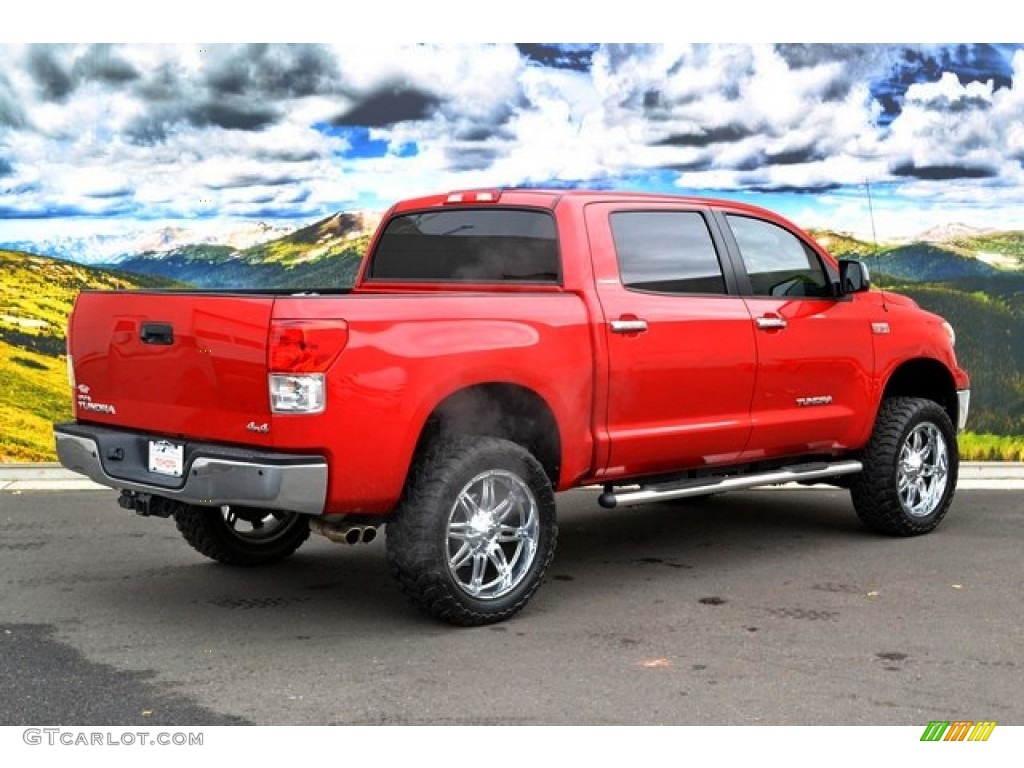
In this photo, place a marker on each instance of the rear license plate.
(166, 458)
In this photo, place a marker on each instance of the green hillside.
(1007, 243)
(990, 345)
(918, 262)
(992, 254)
(338, 235)
(842, 245)
(1005, 288)
(922, 262)
(38, 293)
(34, 394)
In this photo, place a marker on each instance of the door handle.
(769, 322)
(629, 326)
(157, 333)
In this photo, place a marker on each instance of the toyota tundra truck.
(497, 347)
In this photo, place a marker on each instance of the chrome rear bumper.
(213, 474)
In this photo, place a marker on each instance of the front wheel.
(475, 531)
(910, 468)
(242, 535)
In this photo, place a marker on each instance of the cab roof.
(549, 198)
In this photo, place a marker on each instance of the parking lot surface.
(761, 607)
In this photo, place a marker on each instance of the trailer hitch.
(146, 504)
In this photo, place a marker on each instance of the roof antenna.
(874, 238)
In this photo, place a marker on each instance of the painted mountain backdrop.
(226, 166)
(975, 279)
(322, 255)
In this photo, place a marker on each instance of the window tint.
(470, 245)
(667, 251)
(777, 261)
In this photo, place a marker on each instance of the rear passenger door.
(815, 351)
(679, 340)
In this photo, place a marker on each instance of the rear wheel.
(910, 468)
(475, 530)
(242, 535)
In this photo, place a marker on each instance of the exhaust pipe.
(342, 533)
(350, 535)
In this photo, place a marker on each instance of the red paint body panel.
(914, 335)
(701, 386)
(406, 354)
(207, 385)
(825, 350)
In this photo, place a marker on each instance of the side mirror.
(853, 276)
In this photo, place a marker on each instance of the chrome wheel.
(492, 534)
(923, 470)
(257, 525)
(238, 535)
(475, 530)
(911, 465)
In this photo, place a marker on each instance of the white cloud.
(166, 125)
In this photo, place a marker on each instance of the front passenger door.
(814, 350)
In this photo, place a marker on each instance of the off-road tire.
(208, 531)
(441, 520)
(899, 492)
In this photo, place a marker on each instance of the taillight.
(298, 353)
(305, 346)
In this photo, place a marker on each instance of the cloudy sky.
(104, 136)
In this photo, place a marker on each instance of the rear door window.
(666, 252)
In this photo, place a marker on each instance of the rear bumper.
(213, 474)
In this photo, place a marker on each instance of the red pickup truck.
(499, 346)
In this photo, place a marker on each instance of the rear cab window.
(469, 245)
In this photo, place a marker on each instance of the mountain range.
(324, 254)
(112, 247)
(974, 278)
(940, 254)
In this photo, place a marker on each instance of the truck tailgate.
(176, 364)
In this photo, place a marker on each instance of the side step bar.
(707, 485)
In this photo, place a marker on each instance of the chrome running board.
(704, 486)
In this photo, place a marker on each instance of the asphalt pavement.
(757, 607)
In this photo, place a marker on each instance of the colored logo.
(958, 730)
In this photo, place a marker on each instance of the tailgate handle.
(157, 333)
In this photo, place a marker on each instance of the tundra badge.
(819, 400)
